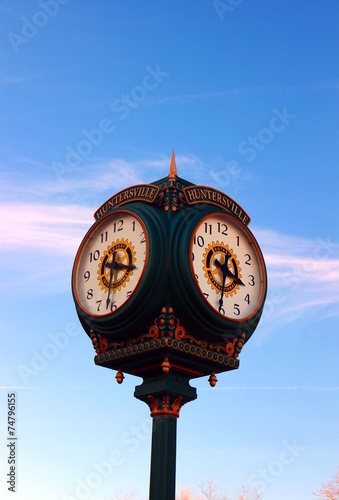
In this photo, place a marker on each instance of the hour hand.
(234, 278)
(120, 266)
(217, 263)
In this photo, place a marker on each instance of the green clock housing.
(169, 275)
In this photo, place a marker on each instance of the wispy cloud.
(11, 80)
(43, 227)
(191, 98)
(303, 278)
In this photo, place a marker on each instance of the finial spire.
(172, 174)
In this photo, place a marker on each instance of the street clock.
(169, 284)
(169, 271)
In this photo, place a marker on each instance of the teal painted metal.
(165, 394)
(162, 477)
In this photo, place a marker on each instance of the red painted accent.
(187, 370)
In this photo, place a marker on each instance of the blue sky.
(247, 95)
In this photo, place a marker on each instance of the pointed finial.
(172, 174)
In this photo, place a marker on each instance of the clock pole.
(165, 395)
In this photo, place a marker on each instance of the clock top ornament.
(169, 278)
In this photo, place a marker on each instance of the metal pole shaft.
(163, 458)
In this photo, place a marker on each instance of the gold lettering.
(219, 198)
(203, 194)
(99, 213)
(245, 219)
(191, 194)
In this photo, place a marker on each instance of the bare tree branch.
(329, 489)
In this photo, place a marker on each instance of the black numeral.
(90, 294)
(143, 239)
(199, 240)
(208, 228)
(94, 255)
(248, 261)
(118, 226)
(236, 310)
(87, 275)
(247, 299)
(112, 304)
(99, 304)
(252, 282)
(224, 230)
(103, 236)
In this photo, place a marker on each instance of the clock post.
(165, 395)
(169, 284)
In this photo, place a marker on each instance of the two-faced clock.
(112, 265)
(228, 267)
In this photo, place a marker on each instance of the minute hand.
(111, 266)
(226, 273)
(223, 268)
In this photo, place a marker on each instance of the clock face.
(110, 263)
(228, 267)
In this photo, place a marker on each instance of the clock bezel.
(258, 252)
(92, 229)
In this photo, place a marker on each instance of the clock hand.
(224, 269)
(234, 278)
(110, 265)
(228, 272)
(119, 265)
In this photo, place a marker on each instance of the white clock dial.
(110, 263)
(228, 267)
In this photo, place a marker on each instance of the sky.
(94, 97)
